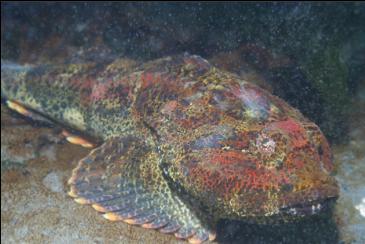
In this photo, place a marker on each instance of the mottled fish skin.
(225, 144)
(94, 98)
(238, 150)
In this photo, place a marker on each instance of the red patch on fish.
(293, 129)
(169, 107)
(226, 157)
(227, 180)
(149, 79)
(99, 91)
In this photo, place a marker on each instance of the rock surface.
(350, 162)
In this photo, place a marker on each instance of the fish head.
(287, 174)
(281, 173)
(263, 161)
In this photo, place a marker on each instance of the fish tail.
(44, 90)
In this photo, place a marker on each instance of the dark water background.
(312, 55)
(324, 42)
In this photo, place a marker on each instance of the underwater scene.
(183, 122)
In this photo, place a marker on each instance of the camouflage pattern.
(185, 144)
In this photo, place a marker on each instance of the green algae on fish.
(182, 144)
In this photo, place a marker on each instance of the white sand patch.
(361, 207)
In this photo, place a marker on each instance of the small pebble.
(53, 182)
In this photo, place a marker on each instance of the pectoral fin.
(27, 113)
(123, 180)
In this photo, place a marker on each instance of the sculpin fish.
(178, 144)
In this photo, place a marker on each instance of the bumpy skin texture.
(225, 146)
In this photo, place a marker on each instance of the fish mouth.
(310, 208)
(311, 201)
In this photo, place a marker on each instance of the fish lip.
(311, 207)
(306, 202)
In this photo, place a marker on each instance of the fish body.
(183, 144)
